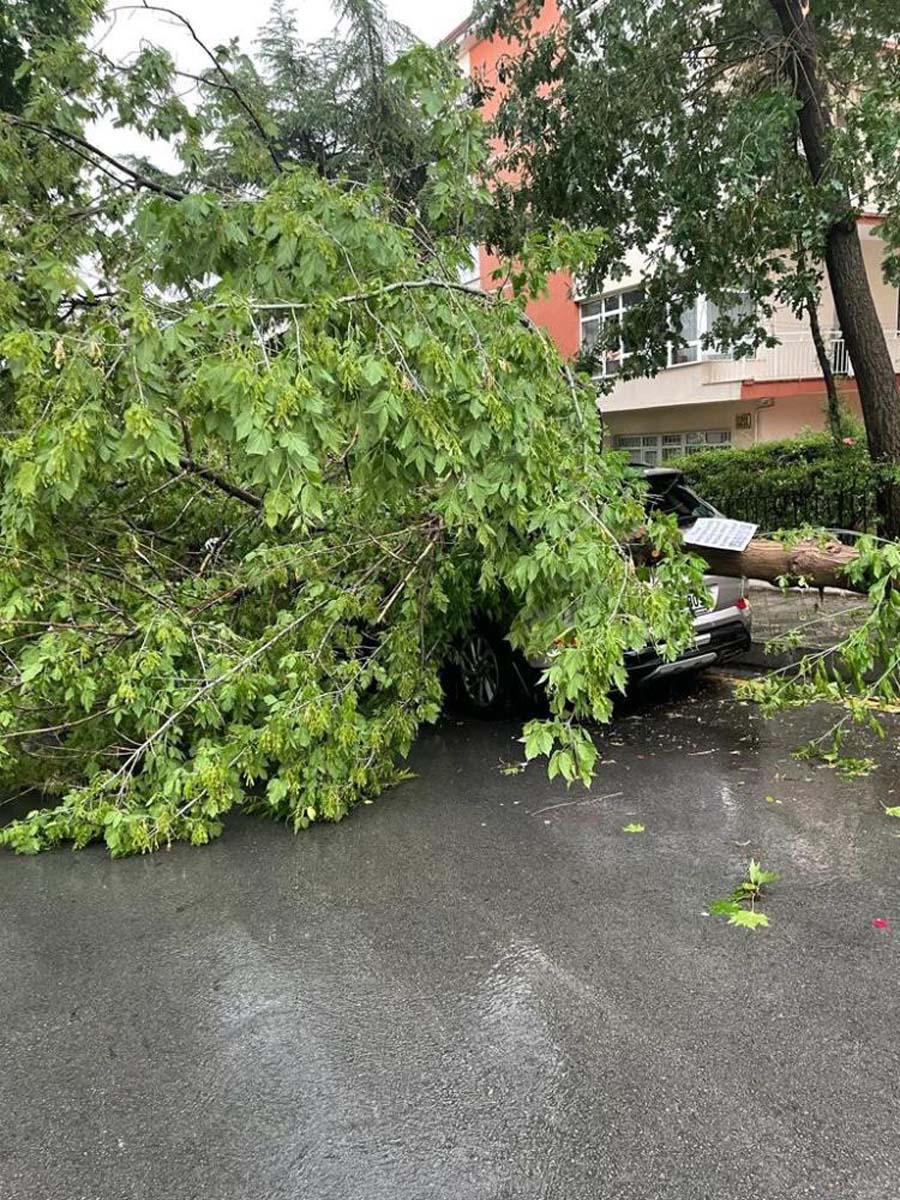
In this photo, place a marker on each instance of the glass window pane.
(589, 331)
(592, 308)
(650, 440)
(629, 299)
(671, 439)
(685, 354)
(689, 324)
(626, 440)
(694, 439)
(612, 305)
(742, 306)
(650, 457)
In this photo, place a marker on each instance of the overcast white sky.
(217, 21)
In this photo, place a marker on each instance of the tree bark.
(858, 316)
(819, 565)
(834, 400)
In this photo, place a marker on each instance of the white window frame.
(693, 348)
(611, 307)
(470, 272)
(656, 449)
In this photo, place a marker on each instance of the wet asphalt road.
(456, 995)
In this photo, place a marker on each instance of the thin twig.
(74, 141)
(224, 485)
(569, 803)
(226, 78)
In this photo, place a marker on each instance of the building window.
(470, 271)
(698, 323)
(601, 326)
(691, 321)
(601, 329)
(653, 449)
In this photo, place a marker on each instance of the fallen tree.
(253, 492)
(820, 563)
(256, 481)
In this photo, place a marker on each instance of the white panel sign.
(716, 533)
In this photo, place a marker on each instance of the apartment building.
(703, 398)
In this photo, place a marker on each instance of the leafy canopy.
(262, 458)
(673, 126)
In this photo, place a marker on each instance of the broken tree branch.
(224, 485)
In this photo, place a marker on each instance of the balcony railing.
(793, 358)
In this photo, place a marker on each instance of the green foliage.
(334, 103)
(633, 827)
(828, 753)
(364, 104)
(805, 480)
(673, 127)
(859, 675)
(255, 485)
(27, 29)
(740, 906)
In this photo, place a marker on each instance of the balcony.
(793, 358)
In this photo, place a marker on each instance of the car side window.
(679, 501)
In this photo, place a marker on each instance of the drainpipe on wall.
(770, 403)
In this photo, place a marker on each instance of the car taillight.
(742, 603)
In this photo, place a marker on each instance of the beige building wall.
(687, 418)
(747, 422)
(774, 395)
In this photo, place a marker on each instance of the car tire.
(486, 683)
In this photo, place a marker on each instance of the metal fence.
(777, 487)
(792, 507)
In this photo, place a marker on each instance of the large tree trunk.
(860, 324)
(818, 565)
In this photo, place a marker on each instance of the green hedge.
(781, 485)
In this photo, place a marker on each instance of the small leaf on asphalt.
(772, 800)
(633, 828)
(892, 812)
(747, 919)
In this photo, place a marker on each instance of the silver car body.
(723, 621)
(723, 627)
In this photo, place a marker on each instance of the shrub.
(805, 480)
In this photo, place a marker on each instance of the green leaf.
(633, 828)
(757, 876)
(747, 919)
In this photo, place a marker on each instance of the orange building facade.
(703, 398)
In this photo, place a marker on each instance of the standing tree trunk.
(834, 400)
(861, 327)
